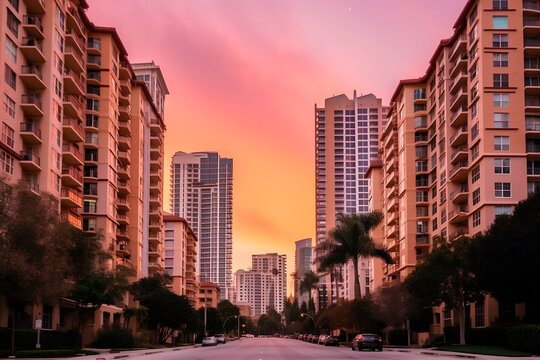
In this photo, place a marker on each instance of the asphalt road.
(275, 348)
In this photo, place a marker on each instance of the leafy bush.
(114, 339)
(397, 337)
(490, 336)
(524, 338)
(25, 339)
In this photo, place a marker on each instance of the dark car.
(221, 339)
(367, 341)
(331, 341)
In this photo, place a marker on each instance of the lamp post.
(309, 316)
(232, 316)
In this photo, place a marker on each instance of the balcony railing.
(31, 70)
(31, 100)
(29, 127)
(460, 131)
(73, 172)
(460, 165)
(532, 125)
(462, 189)
(29, 185)
(29, 155)
(32, 20)
(31, 41)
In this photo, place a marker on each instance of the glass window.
(503, 190)
(501, 100)
(476, 196)
(475, 174)
(503, 210)
(60, 18)
(15, 4)
(502, 166)
(500, 120)
(169, 243)
(9, 106)
(500, 4)
(500, 22)
(11, 49)
(502, 143)
(13, 23)
(10, 77)
(475, 151)
(500, 80)
(500, 59)
(8, 135)
(500, 40)
(476, 218)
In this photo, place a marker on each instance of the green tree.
(308, 283)
(214, 321)
(227, 310)
(269, 323)
(303, 307)
(503, 257)
(349, 241)
(447, 276)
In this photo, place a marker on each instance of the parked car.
(209, 341)
(331, 341)
(367, 341)
(321, 339)
(221, 339)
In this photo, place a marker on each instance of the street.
(276, 348)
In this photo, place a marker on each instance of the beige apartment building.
(79, 125)
(180, 254)
(462, 143)
(346, 139)
(209, 295)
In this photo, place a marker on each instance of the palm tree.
(308, 283)
(350, 240)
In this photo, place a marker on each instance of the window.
(500, 4)
(479, 314)
(11, 49)
(89, 224)
(6, 162)
(502, 166)
(473, 34)
(90, 206)
(474, 110)
(58, 87)
(503, 210)
(169, 234)
(8, 135)
(500, 22)
(500, 120)
(472, 16)
(500, 80)
(443, 219)
(13, 23)
(92, 104)
(476, 218)
(476, 196)
(502, 143)
(15, 4)
(500, 40)
(10, 77)
(500, 59)
(474, 131)
(59, 40)
(501, 100)
(434, 224)
(9, 106)
(474, 92)
(60, 18)
(475, 174)
(502, 190)
(475, 151)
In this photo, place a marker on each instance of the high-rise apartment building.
(346, 139)
(78, 125)
(265, 285)
(461, 145)
(302, 264)
(201, 193)
(180, 254)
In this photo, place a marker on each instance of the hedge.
(114, 339)
(397, 337)
(524, 338)
(26, 339)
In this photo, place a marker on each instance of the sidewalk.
(425, 353)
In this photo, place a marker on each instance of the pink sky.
(244, 76)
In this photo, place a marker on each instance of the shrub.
(114, 339)
(490, 336)
(25, 339)
(524, 338)
(397, 337)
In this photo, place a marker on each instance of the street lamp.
(232, 316)
(309, 316)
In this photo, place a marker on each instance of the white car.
(209, 341)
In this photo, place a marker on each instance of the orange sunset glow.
(244, 76)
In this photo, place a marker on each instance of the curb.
(454, 355)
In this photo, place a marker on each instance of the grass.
(483, 350)
(46, 353)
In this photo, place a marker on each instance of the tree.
(447, 276)
(504, 256)
(308, 283)
(303, 307)
(227, 310)
(270, 322)
(349, 241)
(214, 322)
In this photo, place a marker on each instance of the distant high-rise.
(201, 193)
(346, 139)
(302, 264)
(265, 285)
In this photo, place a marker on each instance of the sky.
(244, 76)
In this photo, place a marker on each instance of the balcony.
(30, 161)
(156, 140)
(459, 81)
(459, 117)
(35, 6)
(125, 87)
(532, 148)
(122, 219)
(73, 130)
(122, 234)
(72, 155)
(459, 64)
(459, 233)
(122, 245)
(93, 46)
(93, 62)
(154, 225)
(155, 188)
(390, 241)
(460, 195)
(532, 127)
(72, 106)
(122, 204)
(31, 77)
(458, 215)
(420, 123)
(123, 172)
(32, 50)
(72, 176)
(73, 58)
(459, 46)
(124, 156)
(155, 125)
(460, 136)
(460, 153)
(390, 179)
(124, 127)
(125, 112)
(29, 185)
(460, 98)
(531, 26)
(124, 72)
(155, 176)
(74, 20)
(93, 77)
(30, 133)
(459, 172)
(73, 83)
(419, 96)
(76, 40)
(422, 240)
(155, 213)
(31, 105)
(124, 143)
(155, 165)
(123, 188)
(531, 46)
(71, 198)
(532, 104)
(391, 218)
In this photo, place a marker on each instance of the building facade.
(265, 285)
(461, 143)
(302, 264)
(346, 139)
(209, 295)
(201, 193)
(180, 254)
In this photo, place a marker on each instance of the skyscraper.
(302, 264)
(201, 193)
(346, 139)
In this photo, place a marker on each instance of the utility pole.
(205, 334)
(238, 317)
